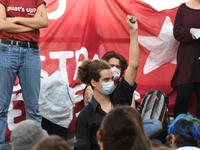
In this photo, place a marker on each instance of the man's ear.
(98, 136)
(93, 82)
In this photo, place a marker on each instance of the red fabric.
(79, 31)
(25, 8)
(78, 107)
(17, 105)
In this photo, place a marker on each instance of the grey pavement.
(8, 146)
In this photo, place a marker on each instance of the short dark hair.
(118, 130)
(142, 141)
(52, 142)
(113, 54)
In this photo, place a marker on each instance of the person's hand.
(132, 22)
(192, 30)
(12, 19)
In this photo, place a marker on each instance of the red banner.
(86, 30)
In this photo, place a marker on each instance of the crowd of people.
(121, 129)
(109, 120)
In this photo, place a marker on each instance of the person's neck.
(194, 4)
(116, 83)
(101, 146)
(196, 1)
(104, 101)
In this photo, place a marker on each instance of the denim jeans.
(152, 127)
(24, 62)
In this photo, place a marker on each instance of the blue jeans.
(24, 62)
(152, 128)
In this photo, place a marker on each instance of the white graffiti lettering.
(83, 51)
(13, 113)
(59, 11)
(62, 56)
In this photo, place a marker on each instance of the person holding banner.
(186, 78)
(98, 74)
(20, 22)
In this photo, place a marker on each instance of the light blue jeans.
(152, 128)
(24, 62)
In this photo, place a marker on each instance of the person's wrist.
(191, 29)
(133, 31)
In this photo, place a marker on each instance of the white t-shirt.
(188, 148)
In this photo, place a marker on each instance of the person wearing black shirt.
(98, 74)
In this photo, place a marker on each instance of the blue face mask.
(108, 88)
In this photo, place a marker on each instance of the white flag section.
(160, 5)
(163, 48)
(14, 113)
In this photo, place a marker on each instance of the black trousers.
(184, 93)
(52, 128)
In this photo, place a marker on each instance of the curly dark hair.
(90, 69)
(113, 54)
